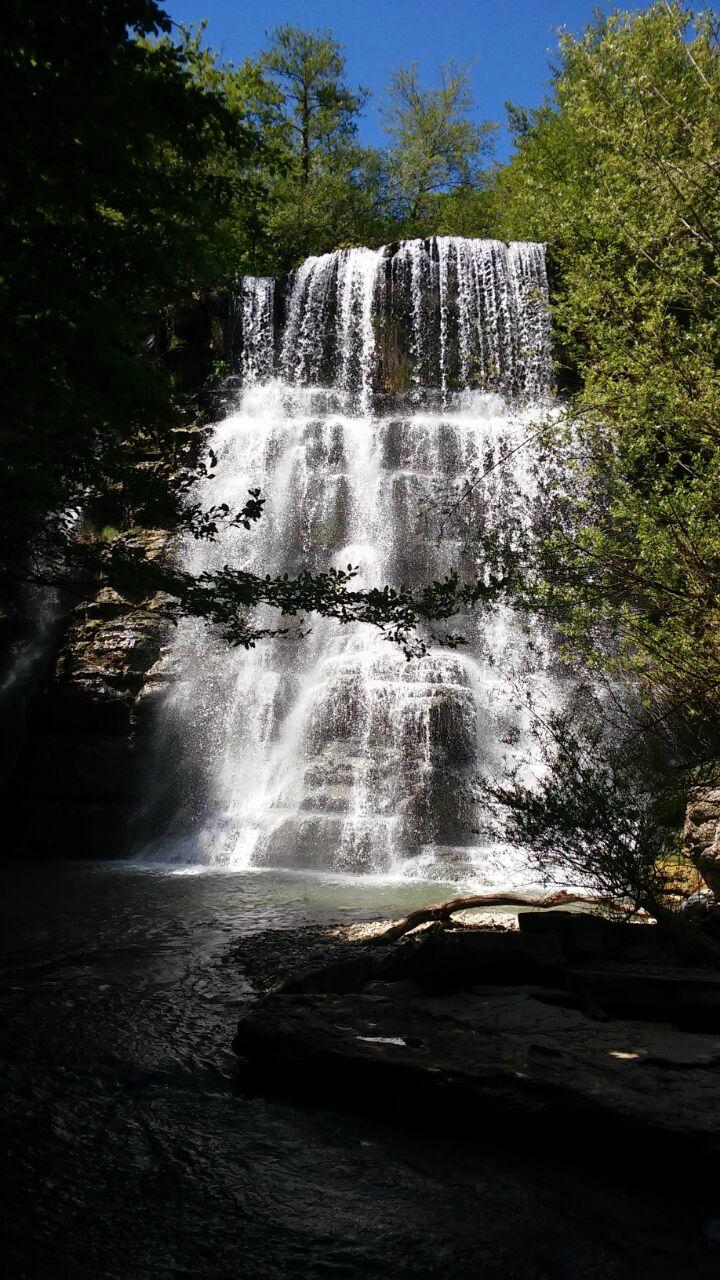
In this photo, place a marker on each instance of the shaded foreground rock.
(127, 1154)
(597, 964)
(530, 1049)
(493, 1057)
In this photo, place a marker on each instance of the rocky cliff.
(76, 720)
(75, 779)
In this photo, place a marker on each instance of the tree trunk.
(444, 910)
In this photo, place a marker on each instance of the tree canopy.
(322, 189)
(117, 206)
(142, 170)
(620, 173)
(436, 147)
(316, 108)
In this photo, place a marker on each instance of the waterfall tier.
(445, 314)
(370, 378)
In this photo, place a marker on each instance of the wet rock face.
(75, 781)
(701, 835)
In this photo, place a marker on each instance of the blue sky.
(510, 40)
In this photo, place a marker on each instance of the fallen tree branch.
(444, 910)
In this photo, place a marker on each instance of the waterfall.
(252, 329)
(370, 378)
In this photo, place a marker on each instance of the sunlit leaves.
(619, 173)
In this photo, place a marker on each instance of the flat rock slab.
(492, 1056)
(690, 998)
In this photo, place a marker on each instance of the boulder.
(446, 959)
(436, 960)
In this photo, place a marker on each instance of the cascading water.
(376, 376)
(252, 328)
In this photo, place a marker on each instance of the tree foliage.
(317, 111)
(435, 147)
(326, 190)
(604, 814)
(592, 817)
(620, 174)
(126, 187)
(141, 168)
(319, 188)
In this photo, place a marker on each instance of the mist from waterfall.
(370, 381)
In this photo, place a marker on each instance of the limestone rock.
(76, 778)
(701, 834)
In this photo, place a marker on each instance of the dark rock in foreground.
(531, 1048)
(492, 1055)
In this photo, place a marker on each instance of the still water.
(129, 1149)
